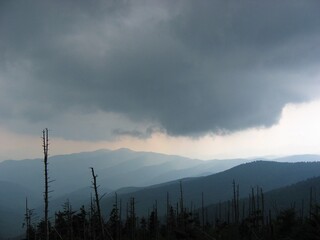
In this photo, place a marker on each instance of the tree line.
(229, 222)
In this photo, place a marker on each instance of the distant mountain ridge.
(70, 172)
(131, 172)
(116, 169)
(218, 187)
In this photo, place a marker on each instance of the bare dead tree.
(133, 218)
(97, 200)
(310, 202)
(27, 219)
(45, 139)
(181, 198)
(118, 226)
(202, 211)
(235, 202)
(262, 206)
(91, 214)
(120, 219)
(167, 215)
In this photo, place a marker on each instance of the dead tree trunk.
(235, 202)
(181, 199)
(91, 217)
(45, 139)
(120, 219)
(97, 200)
(27, 220)
(133, 218)
(202, 211)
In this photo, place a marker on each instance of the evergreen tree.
(113, 224)
(153, 225)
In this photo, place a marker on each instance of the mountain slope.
(71, 172)
(295, 195)
(218, 187)
(12, 207)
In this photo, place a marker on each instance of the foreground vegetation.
(235, 219)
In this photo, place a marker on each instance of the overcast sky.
(150, 75)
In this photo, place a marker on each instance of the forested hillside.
(263, 215)
(78, 197)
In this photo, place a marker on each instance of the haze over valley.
(151, 176)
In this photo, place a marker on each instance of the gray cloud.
(188, 67)
(135, 133)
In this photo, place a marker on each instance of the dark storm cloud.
(191, 67)
(135, 133)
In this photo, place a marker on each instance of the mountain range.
(268, 175)
(145, 176)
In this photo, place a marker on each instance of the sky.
(203, 79)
